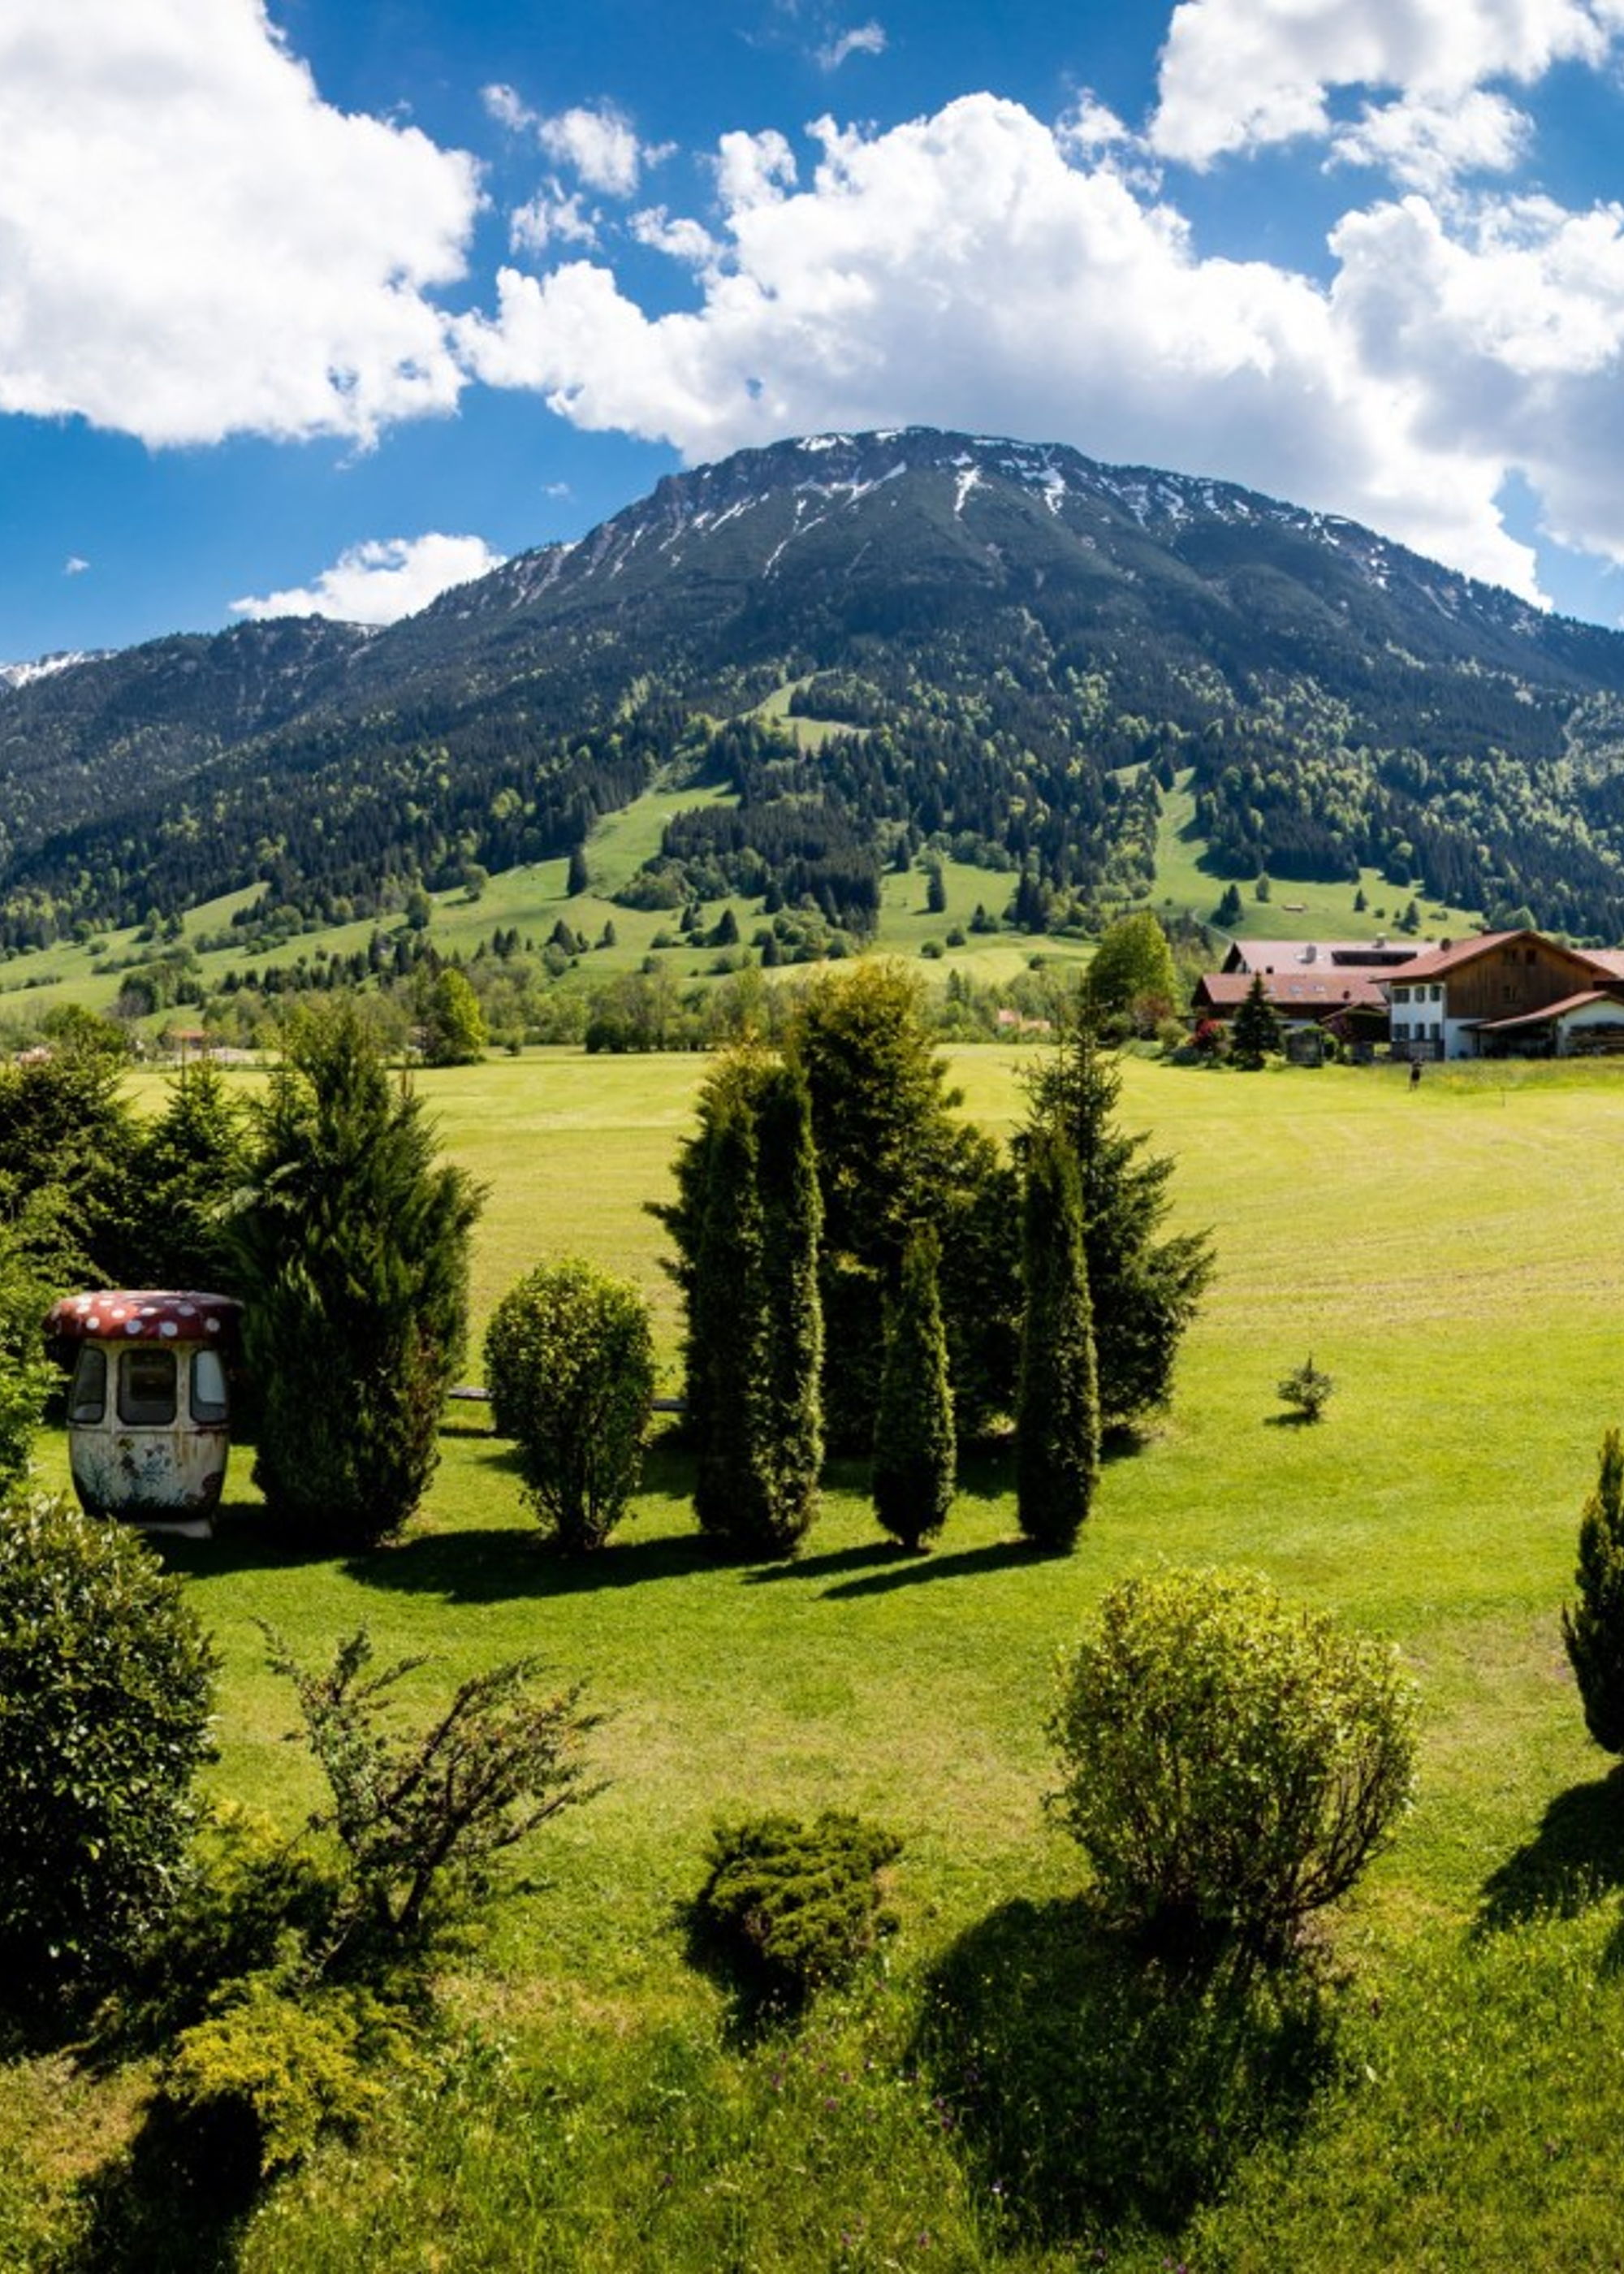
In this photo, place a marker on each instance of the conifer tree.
(1057, 1441)
(792, 1217)
(353, 1264)
(914, 1452)
(1593, 1627)
(1144, 1291)
(1256, 1030)
(754, 1341)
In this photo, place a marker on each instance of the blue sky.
(324, 303)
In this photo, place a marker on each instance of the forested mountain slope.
(1013, 647)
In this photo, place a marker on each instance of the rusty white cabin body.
(149, 1406)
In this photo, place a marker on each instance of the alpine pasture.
(1455, 1259)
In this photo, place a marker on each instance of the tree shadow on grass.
(832, 1562)
(907, 1569)
(1091, 2085)
(1575, 1859)
(156, 2210)
(497, 1564)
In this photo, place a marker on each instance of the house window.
(1438, 994)
(1401, 994)
(147, 1386)
(209, 1401)
(87, 1398)
(1527, 955)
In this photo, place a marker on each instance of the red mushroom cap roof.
(144, 1314)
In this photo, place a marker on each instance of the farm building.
(1498, 994)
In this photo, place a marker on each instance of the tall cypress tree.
(1144, 1289)
(1593, 1628)
(792, 1213)
(1057, 1443)
(914, 1451)
(754, 1340)
(726, 1327)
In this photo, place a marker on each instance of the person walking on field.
(1414, 1073)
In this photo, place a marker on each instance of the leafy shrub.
(1231, 1763)
(1593, 1627)
(1306, 1390)
(255, 1900)
(798, 1904)
(569, 1365)
(419, 1815)
(106, 1680)
(249, 2091)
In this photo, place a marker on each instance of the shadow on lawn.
(157, 2208)
(1575, 1859)
(1090, 2083)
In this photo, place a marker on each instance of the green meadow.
(1448, 2092)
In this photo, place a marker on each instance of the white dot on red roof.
(132, 1326)
(93, 1323)
(168, 1327)
(211, 1326)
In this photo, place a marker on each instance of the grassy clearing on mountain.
(1456, 1258)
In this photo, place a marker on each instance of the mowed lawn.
(1454, 1257)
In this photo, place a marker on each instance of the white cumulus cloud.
(193, 243)
(551, 216)
(862, 39)
(381, 580)
(1427, 146)
(598, 144)
(1237, 73)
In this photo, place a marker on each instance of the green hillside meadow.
(983, 2099)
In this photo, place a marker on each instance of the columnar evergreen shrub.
(915, 1447)
(353, 1262)
(569, 1365)
(106, 1682)
(1230, 1764)
(1593, 1626)
(1144, 1289)
(1057, 1442)
(747, 1222)
(798, 1904)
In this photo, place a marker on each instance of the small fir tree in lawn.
(1144, 1289)
(1593, 1627)
(1256, 1031)
(354, 1267)
(914, 1452)
(1057, 1442)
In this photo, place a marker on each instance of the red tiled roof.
(1317, 989)
(1604, 963)
(143, 1314)
(1551, 1011)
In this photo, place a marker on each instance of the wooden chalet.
(1506, 994)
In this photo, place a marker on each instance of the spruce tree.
(1593, 1627)
(353, 1264)
(1058, 1440)
(1256, 1030)
(914, 1452)
(1144, 1291)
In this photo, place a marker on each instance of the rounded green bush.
(106, 1680)
(569, 1366)
(1231, 1762)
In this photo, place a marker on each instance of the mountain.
(1011, 649)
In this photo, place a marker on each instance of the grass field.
(1455, 1259)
